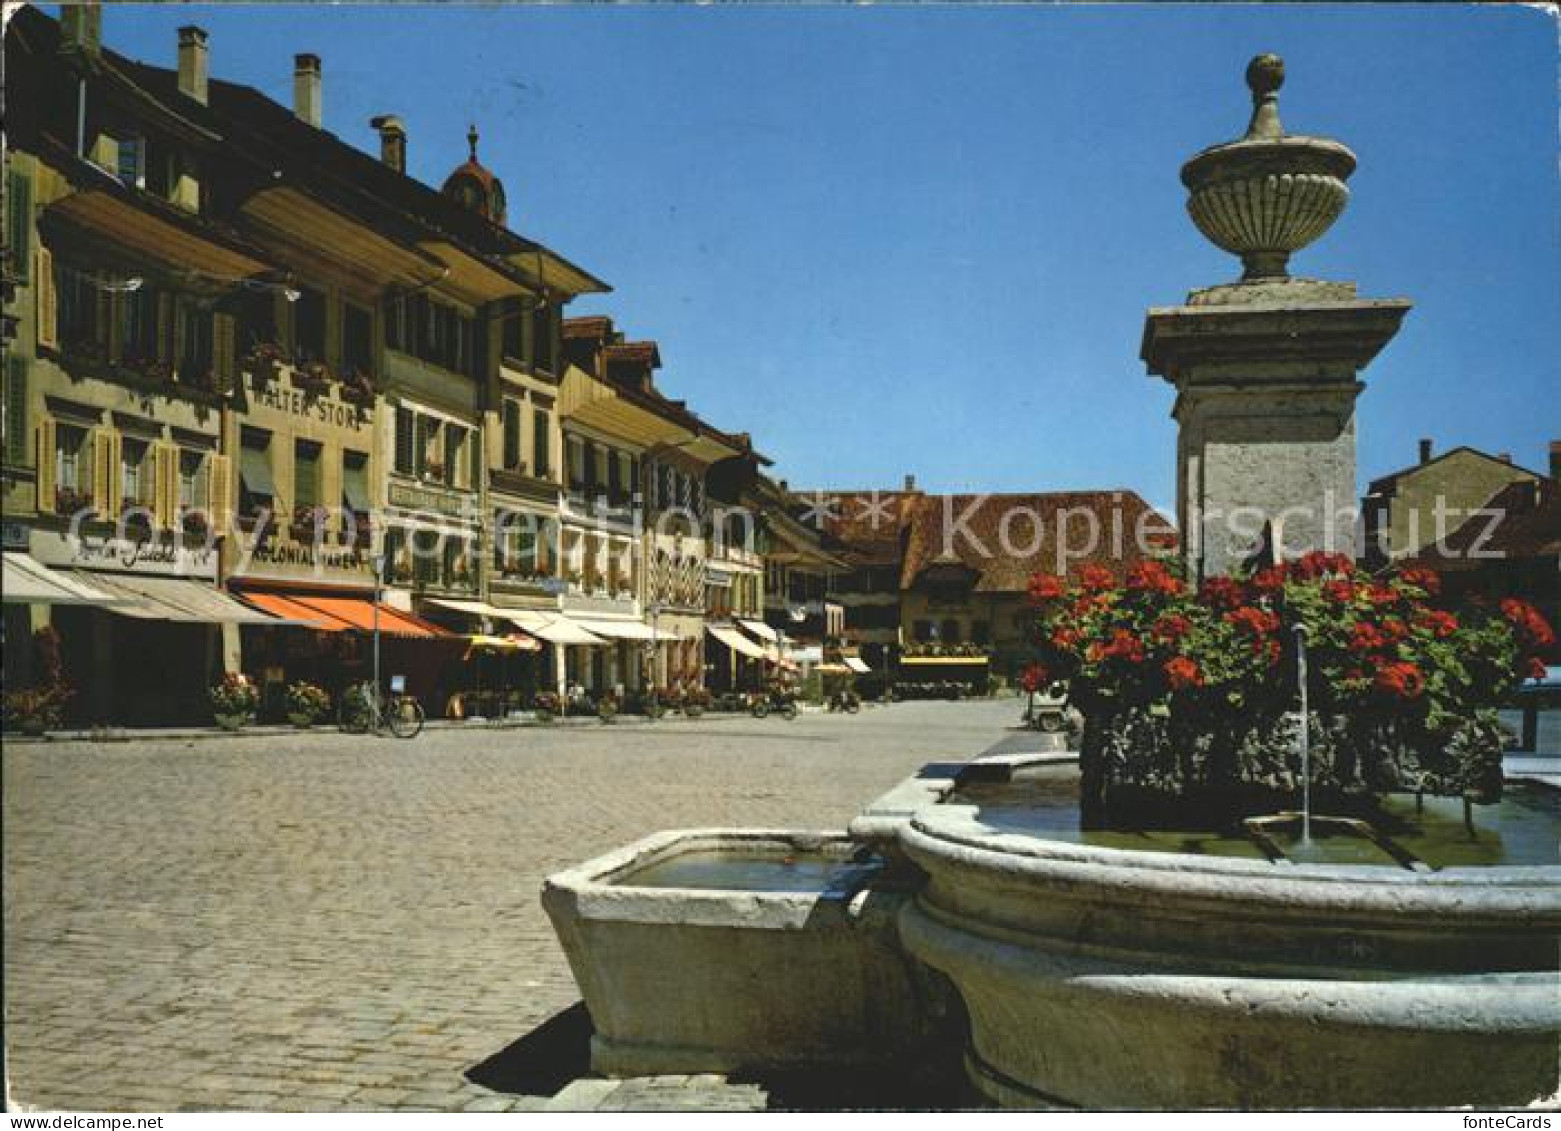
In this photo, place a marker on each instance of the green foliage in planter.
(1189, 693)
(307, 701)
(234, 694)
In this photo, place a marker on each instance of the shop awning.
(619, 629)
(832, 669)
(737, 642)
(857, 665)
(340, 614)
(515, 642)
(929, 661)
(553, 628)
(761, 630)
(24, 580)
(171, 598)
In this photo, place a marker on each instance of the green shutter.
(19, 227)
(404, 448)
(16, 429)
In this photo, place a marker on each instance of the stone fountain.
(1118, 970)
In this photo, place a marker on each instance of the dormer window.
(130, 162)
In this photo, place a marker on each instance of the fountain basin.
(1107, 977)
(722, 950)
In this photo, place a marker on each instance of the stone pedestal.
(1266, 375)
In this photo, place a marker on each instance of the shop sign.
(156, 555)
(323, 410)
(428, 499)
(304, 561)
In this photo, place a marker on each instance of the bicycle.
(361, 711)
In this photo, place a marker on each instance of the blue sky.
(922, 239)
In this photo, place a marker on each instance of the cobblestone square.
(327, 922)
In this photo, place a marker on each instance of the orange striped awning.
(342, 614)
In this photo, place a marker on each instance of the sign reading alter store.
(322, 409)
(165, 555)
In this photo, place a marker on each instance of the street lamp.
(650, 645)
(378, 562)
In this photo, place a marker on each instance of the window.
(425, 556)
(306, 477)
(921, 631)
(512, 331)
(406, 441)
(256, 315)
(588, 459)
(19, 227)
(980, 632)
(309, 327)
(130, 161)
(16, 424)
(135, 489)
(430, 462)
(398, 556)
(541, 446)
(951, 632)
(195, 348)
(576, 462)
(357, 341)
(77, 306)
(614, 476)
(192, 466)
(257, 490)
(355, 482)
(138, 325)
(512, 419)
(396, 323)
(542, 338)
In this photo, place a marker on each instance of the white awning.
(474, 608)
(172, 598)
(761, 630)
(736, 641)
(619, 629)
(26, 581)
(857, 665)
(553, 628)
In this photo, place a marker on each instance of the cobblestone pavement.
(329, 922)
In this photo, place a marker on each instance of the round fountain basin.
(1183, 968)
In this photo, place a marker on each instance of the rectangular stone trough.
(800, 966)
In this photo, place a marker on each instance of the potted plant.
(234, 700)
(696, 700)
(34, 710)
(607, 707)
(547, 706)
(306, 704)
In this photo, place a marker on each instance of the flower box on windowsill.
(68, 501)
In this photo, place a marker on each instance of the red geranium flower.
(1096, 578)
(1270, 580)
(1123, 644)
(1320, 564)
(1394, 629)
(1251, 619)
(1342, 592)
(1171, 628)
(1066, 638)
(1182, 672)
(1440, 624)
(1046, 587)
(1221, 592)
(1536, 668)
(1033, 678)
(1401, 679)
(1383, 595)
(1152, 577)
(1266, 650)
(1533, 628)
(1366, 638)
(1426, 579)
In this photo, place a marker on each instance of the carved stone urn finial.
(1270, 193)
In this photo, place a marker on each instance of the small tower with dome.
(473, 185)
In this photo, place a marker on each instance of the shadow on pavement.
(554, 1054)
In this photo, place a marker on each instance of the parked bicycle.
(783, 703)
(364, 709)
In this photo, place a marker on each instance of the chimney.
(1505, 457)
(392, 141)
(1555, 460)
(192, 63)
(81, 27)
(1425, 450)
(910, 483)
(306, 88)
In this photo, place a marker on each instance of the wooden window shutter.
(19, 226)
(219, 489)
(48, 302)
(165, 494)
(45, 479)
(405, 450)
(106, 476)
(223, 352)
(16, 430)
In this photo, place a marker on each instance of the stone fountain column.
(1266, 369)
